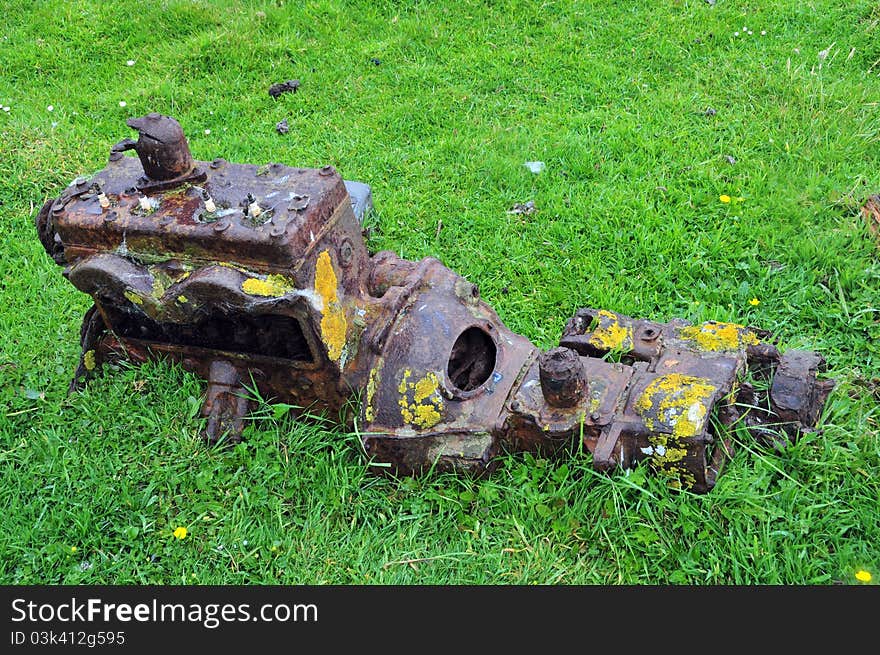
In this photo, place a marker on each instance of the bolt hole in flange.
(472, 359)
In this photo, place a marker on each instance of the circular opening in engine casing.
(472, 359)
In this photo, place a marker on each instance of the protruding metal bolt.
(253, 207)
(210, 207)
(563, 380)
(103, 200)
(346, 253)
(649, 334)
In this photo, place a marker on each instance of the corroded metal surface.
(260, 273)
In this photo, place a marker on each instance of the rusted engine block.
(242, 273)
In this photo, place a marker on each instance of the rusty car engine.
(260, 275)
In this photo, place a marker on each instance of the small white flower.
(130, 62)
(207, 132)
(54, 124)
(745, 29)
(122, 103)
(763, 32)
(736, 33)
(50, 108)
(750, 32)
(5, 108)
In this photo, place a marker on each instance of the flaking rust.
(242, 272)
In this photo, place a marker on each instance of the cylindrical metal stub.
(162, 147)
(563, 380)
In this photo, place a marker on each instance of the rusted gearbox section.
(260, 273)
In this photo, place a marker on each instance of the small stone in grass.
(283, 87)
(523, 208)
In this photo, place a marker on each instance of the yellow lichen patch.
(678, 402)
(425, 387)
(420, 402)
(182, 299)
(333, 323)
(133, 297)
(679, 477)
(401, 388)
(664, 452)
(158, 288)
(369, 412)
(274, 286)
(609, 334)
(89, 360)
(715, 336)
(161, 281)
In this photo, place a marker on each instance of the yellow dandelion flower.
(73, 549)
(724, 198)
(754, 302)
(863, 576)
(180, 532)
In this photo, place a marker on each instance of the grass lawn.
(644, 114)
